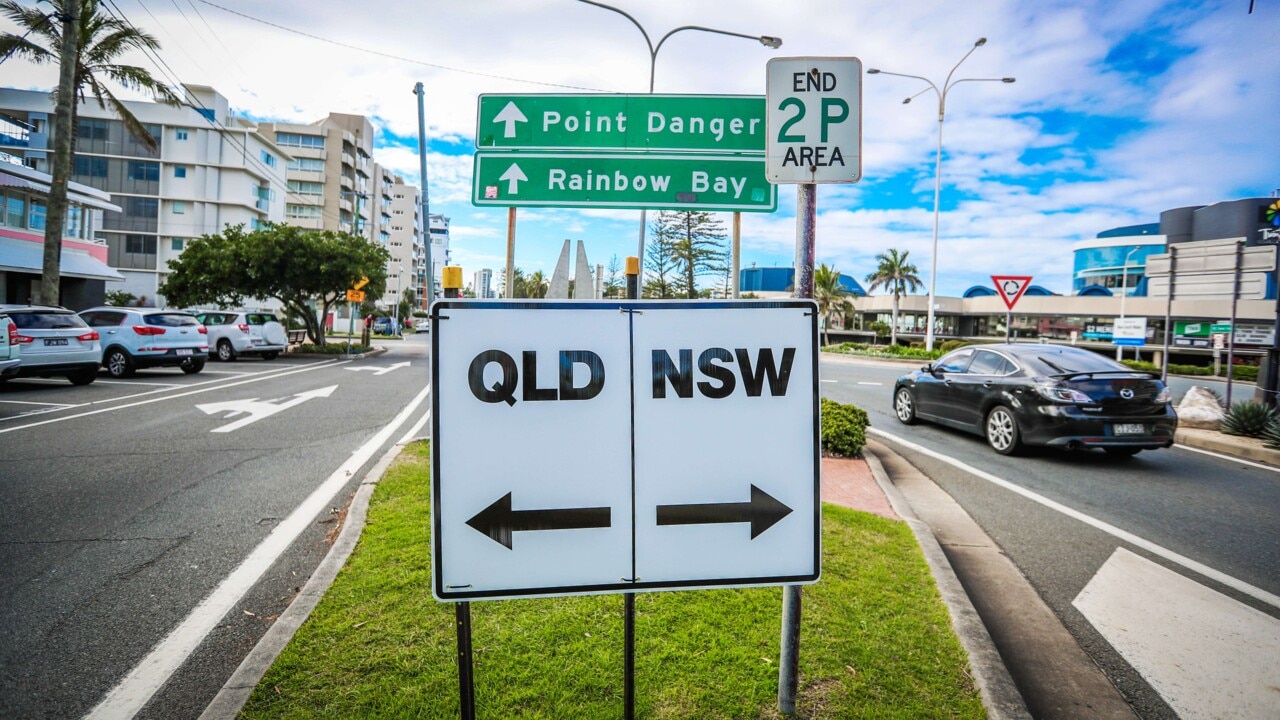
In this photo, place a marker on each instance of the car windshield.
(170, 320)
(1081, 362)
(46, 320)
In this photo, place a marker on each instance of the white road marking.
(861, 382)
(1208, 655)
(1250, 463)
(829, 381)
(175, 396)
(382, 370)
(29, 402)
(258, 409)
(413, 431)
(133, 692)
(1154, 549)
(135, 382)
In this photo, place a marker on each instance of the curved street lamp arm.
(653, 52)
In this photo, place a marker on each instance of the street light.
(1124, 295)
(937, 172)
(766, 40)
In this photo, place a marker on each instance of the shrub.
(1271, 436)
(1245, 372)
(949, 345)
(844, 429)
(1248, 418)
(332, 348)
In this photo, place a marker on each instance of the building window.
(179, 207)
(141, 207)
(90, 167)
(140, 244)
(179, 171)
(306, 188)
(268, 158)
(89, 129)
(181, 133)
(297, 140)
(176, 244)
(139, 170)
(35, 218)
(307, 164)
(15, 211)
(301, 211)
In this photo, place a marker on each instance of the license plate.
(1130, 429)
(55, 341)
(182, 352)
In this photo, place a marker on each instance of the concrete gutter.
(1246, 448)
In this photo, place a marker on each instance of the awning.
(78, 198)
(28, 257)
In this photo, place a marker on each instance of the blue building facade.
(781, 279)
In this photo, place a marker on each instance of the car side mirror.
(928, 368)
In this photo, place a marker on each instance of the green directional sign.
(712, 183)
(661, 123)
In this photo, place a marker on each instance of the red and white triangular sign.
(1011, 287)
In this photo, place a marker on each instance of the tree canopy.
(897, 276)
(306, 270)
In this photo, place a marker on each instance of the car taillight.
(244, 328)
(148, 330)
(1164, 396)
(13, 333)
(1057, 393)
(89, 336)
(16, 338)
(203, 330)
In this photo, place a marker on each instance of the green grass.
(876, 641)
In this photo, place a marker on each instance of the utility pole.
(426, 202)
(62, 134)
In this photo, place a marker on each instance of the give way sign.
(593, 447)
(1011, 287)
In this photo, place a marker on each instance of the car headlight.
(1057, 393)
(1165, 395)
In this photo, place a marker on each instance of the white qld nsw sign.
(594, 447)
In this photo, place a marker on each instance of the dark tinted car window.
(103, 318)
(260, 318)
(956, 362)
(170, 320)
(987, 363)
(1075, 361)
(46, 320)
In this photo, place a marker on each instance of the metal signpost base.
(466, 680)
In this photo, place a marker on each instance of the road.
(130, 503)
(1199, 525)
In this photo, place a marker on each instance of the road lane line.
(30, 402)
(1207, 654)
(413, 431)
(133, 692)
(64, 418)
(829, 381)
(1211, 453)
(1158, 550)
(134, 382)
(863, 382)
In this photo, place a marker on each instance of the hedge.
(844, 429)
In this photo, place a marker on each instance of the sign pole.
(789, 661)
(629, 599)
(735, 262)
(1008, 325)
(466, 680)
(1231, 337)
(1168, 312)
(511, 253)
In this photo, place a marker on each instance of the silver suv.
(134, 338)
(9, 359)
(54, 341)
(241, 332)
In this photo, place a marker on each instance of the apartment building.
(211, 170)
(400, 224)
(438, 231)
(482, 285)
(330, 175)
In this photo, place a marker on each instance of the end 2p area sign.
(584, 448)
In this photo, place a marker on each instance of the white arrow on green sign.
(622, 180)
(663, 123)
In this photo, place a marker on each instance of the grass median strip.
(876, 640)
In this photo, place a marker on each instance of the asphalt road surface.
(170, 517)
(1115, 545)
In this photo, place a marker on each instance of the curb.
(236, 691)
(1000, 696)
(1233, 445)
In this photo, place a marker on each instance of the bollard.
(633, 278)
(451, 278)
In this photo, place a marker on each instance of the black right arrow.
(763, 511)
(498, 520)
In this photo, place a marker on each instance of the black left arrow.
(498, 520)
(762, 511)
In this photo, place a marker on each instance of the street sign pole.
(1231, 336)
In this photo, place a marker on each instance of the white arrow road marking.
(513, 176)
(381, 371)
(257, 409)
(510, 115)
(1208, 655)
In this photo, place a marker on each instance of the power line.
(394, 57)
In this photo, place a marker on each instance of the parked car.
(134, 338)
(53, 341)
(233, 333)
(10, 358)
(1055, 395)
(383, 326)
(422, 325)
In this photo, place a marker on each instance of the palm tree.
(99, 41)
(832, 298)
(897, 276)
(535, 285)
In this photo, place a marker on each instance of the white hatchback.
(233, 333)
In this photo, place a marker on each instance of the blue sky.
(1120, 110)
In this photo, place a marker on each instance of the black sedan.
(1055, 395)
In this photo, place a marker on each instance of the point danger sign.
(591, 447)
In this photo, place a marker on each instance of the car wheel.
(1002, 431)
(118, 363)
(191, 366)
(1122, 452)
(226, 353)
(84, 377)
(904, 406)
(270, 355)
